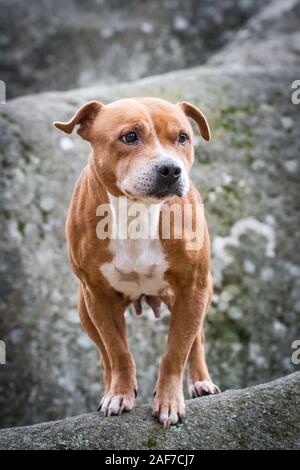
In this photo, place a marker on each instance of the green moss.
(21, 227)
(6, 117)
(4, 213)
(276, 96)
(5, 163)
(229, 189)
(237, 109)
(151, 442)
(231, 119)
(249, 159)
(243, 144)
(61, 446)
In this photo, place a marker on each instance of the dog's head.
(142, 147)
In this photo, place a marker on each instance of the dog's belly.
(137, 268)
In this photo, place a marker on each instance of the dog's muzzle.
(168, 179)
(162, 178)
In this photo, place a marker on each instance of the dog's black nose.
(169, 172)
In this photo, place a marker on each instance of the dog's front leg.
(187, 315)
(107, 314)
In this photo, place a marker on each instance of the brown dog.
(142, 150)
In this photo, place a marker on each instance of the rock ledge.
(262, 417)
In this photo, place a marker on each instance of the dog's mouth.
(159, 195)
(162, 193)
(165, 193)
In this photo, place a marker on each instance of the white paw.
(116, 404)
(168, 412)
(203, 387)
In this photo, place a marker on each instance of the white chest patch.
(137, 268)
(138, 265)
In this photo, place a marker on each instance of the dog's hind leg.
(199, 381)
(91, 330)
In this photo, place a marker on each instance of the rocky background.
(54, 45)
(248, 175)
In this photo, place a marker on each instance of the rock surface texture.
(262, 417)
(249, 177)
(270, 39)
(48, 45)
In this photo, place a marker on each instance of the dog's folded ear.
(191, 111)
(84, 118)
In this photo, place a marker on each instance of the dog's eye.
(130, 138)
(182, 138)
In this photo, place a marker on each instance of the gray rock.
(269, 39)
(262, 417)
(63, 45)
(52, 368)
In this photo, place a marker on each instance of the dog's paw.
(202, 388)
(113, 404)
(168, 411)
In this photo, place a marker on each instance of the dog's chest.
(137, 267)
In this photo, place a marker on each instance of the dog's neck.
(129, 215)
